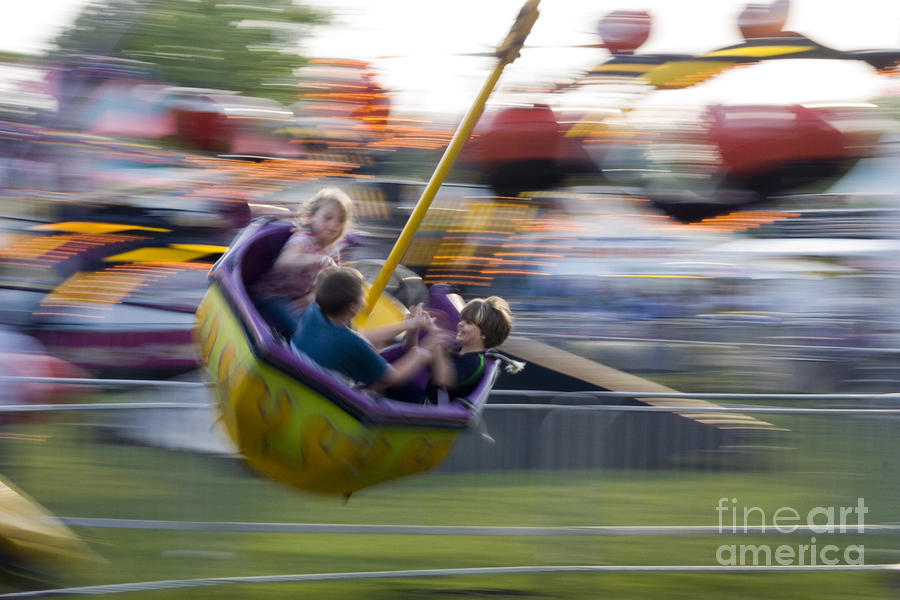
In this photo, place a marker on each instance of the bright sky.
(426, 36)
(26, 26)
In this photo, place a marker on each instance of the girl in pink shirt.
(284, 291)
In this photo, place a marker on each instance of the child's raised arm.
(379, 336)
(297, 257)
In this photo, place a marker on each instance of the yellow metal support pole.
(506, 52)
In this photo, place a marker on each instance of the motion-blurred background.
(697, 195)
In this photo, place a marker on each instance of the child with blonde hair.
(284, 291)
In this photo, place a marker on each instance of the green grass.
(822, 462)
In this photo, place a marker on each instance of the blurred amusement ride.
(610, 195)
(121, 190)
(655, 196)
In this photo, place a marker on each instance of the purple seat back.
(479, 396)
(261, 253)
(439, 303)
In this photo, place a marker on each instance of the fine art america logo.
(818, 521)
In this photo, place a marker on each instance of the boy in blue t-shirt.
(324, 334)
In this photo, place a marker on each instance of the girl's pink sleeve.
(335, 252)
(303, 242)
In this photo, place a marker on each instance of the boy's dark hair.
(492, 316)
(337, 290)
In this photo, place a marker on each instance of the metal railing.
(557, 417)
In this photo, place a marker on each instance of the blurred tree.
(250, 46)
(10, 57)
